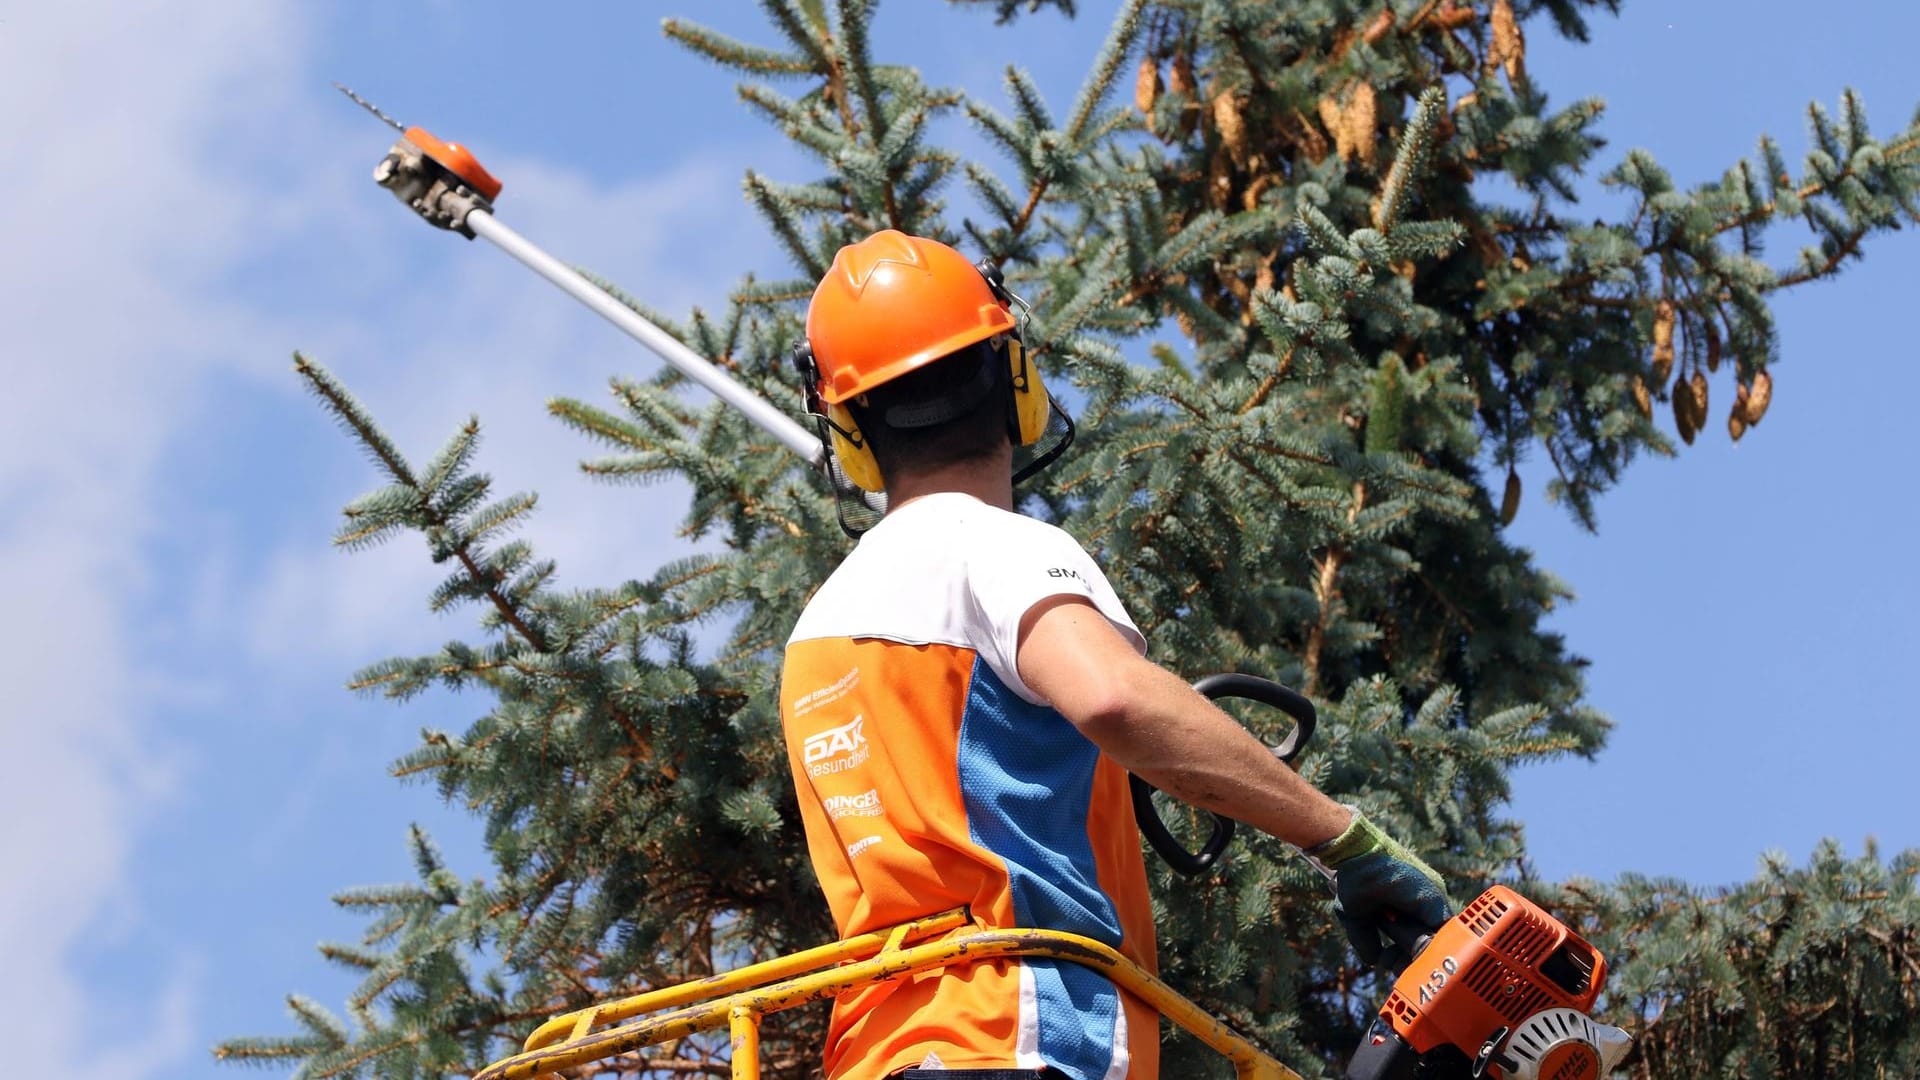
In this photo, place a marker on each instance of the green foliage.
(624, 785)
(1347, 338)
(1810, 971)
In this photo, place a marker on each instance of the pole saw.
(447, 186)
(1501, 990)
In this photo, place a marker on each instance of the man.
(963, 697)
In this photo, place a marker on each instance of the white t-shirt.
(948, 569)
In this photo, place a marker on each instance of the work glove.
(1377, 882)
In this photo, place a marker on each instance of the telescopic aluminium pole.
(446, 185)
(664, 345)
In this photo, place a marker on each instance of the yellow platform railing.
(738, 999)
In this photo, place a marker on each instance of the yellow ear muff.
(851, 449)
(1030, 411)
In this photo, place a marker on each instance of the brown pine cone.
(1146, 85)
(1760, 398)
(1697, 398)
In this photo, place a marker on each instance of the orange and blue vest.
(930, 776)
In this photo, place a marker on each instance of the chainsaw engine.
(1500, 990)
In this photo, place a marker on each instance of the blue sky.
(185, 200)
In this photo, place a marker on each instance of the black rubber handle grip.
(1226, 684)
(1409, 938)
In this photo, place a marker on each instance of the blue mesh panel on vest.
(1027, 778)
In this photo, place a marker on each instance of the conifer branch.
(1121, 36)
(719, 47)
(780, 215)
(1410, 161)
(794, 27)
(1903, 150)
(433, 515)
(1326, 591)
(491, 581)
(1843, 251)
(853, 29)
(354, 418)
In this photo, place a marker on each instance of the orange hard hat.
(892, 303)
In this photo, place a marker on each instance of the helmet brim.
(849, 384)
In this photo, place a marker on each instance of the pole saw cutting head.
(1501, 990)
(442, 181)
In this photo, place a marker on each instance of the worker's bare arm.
(1150, 721)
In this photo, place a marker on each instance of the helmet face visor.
(1054, 439)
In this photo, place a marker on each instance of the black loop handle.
(1233, 684)
(1226, 684)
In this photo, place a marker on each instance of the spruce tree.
(1306, 357)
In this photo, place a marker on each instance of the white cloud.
(117, 215)
(144, 174)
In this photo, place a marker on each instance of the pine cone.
(1362, 114)
(1662, 341)
(1642, 400)
(1713, 347)
(1761, 397)
(1146, 85)
(1737, 416)
(1352, 124)
(1510, 499)
(1180, 81)
(1697, 398)
(1683, 416)
(1231, 126)
(1331, 119)
(1180, 75)
(1509, 48)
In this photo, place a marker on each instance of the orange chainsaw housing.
(1489, 968)
(457, 160)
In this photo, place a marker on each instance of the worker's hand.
(1376, 882)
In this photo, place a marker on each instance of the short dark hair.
(974, 434)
